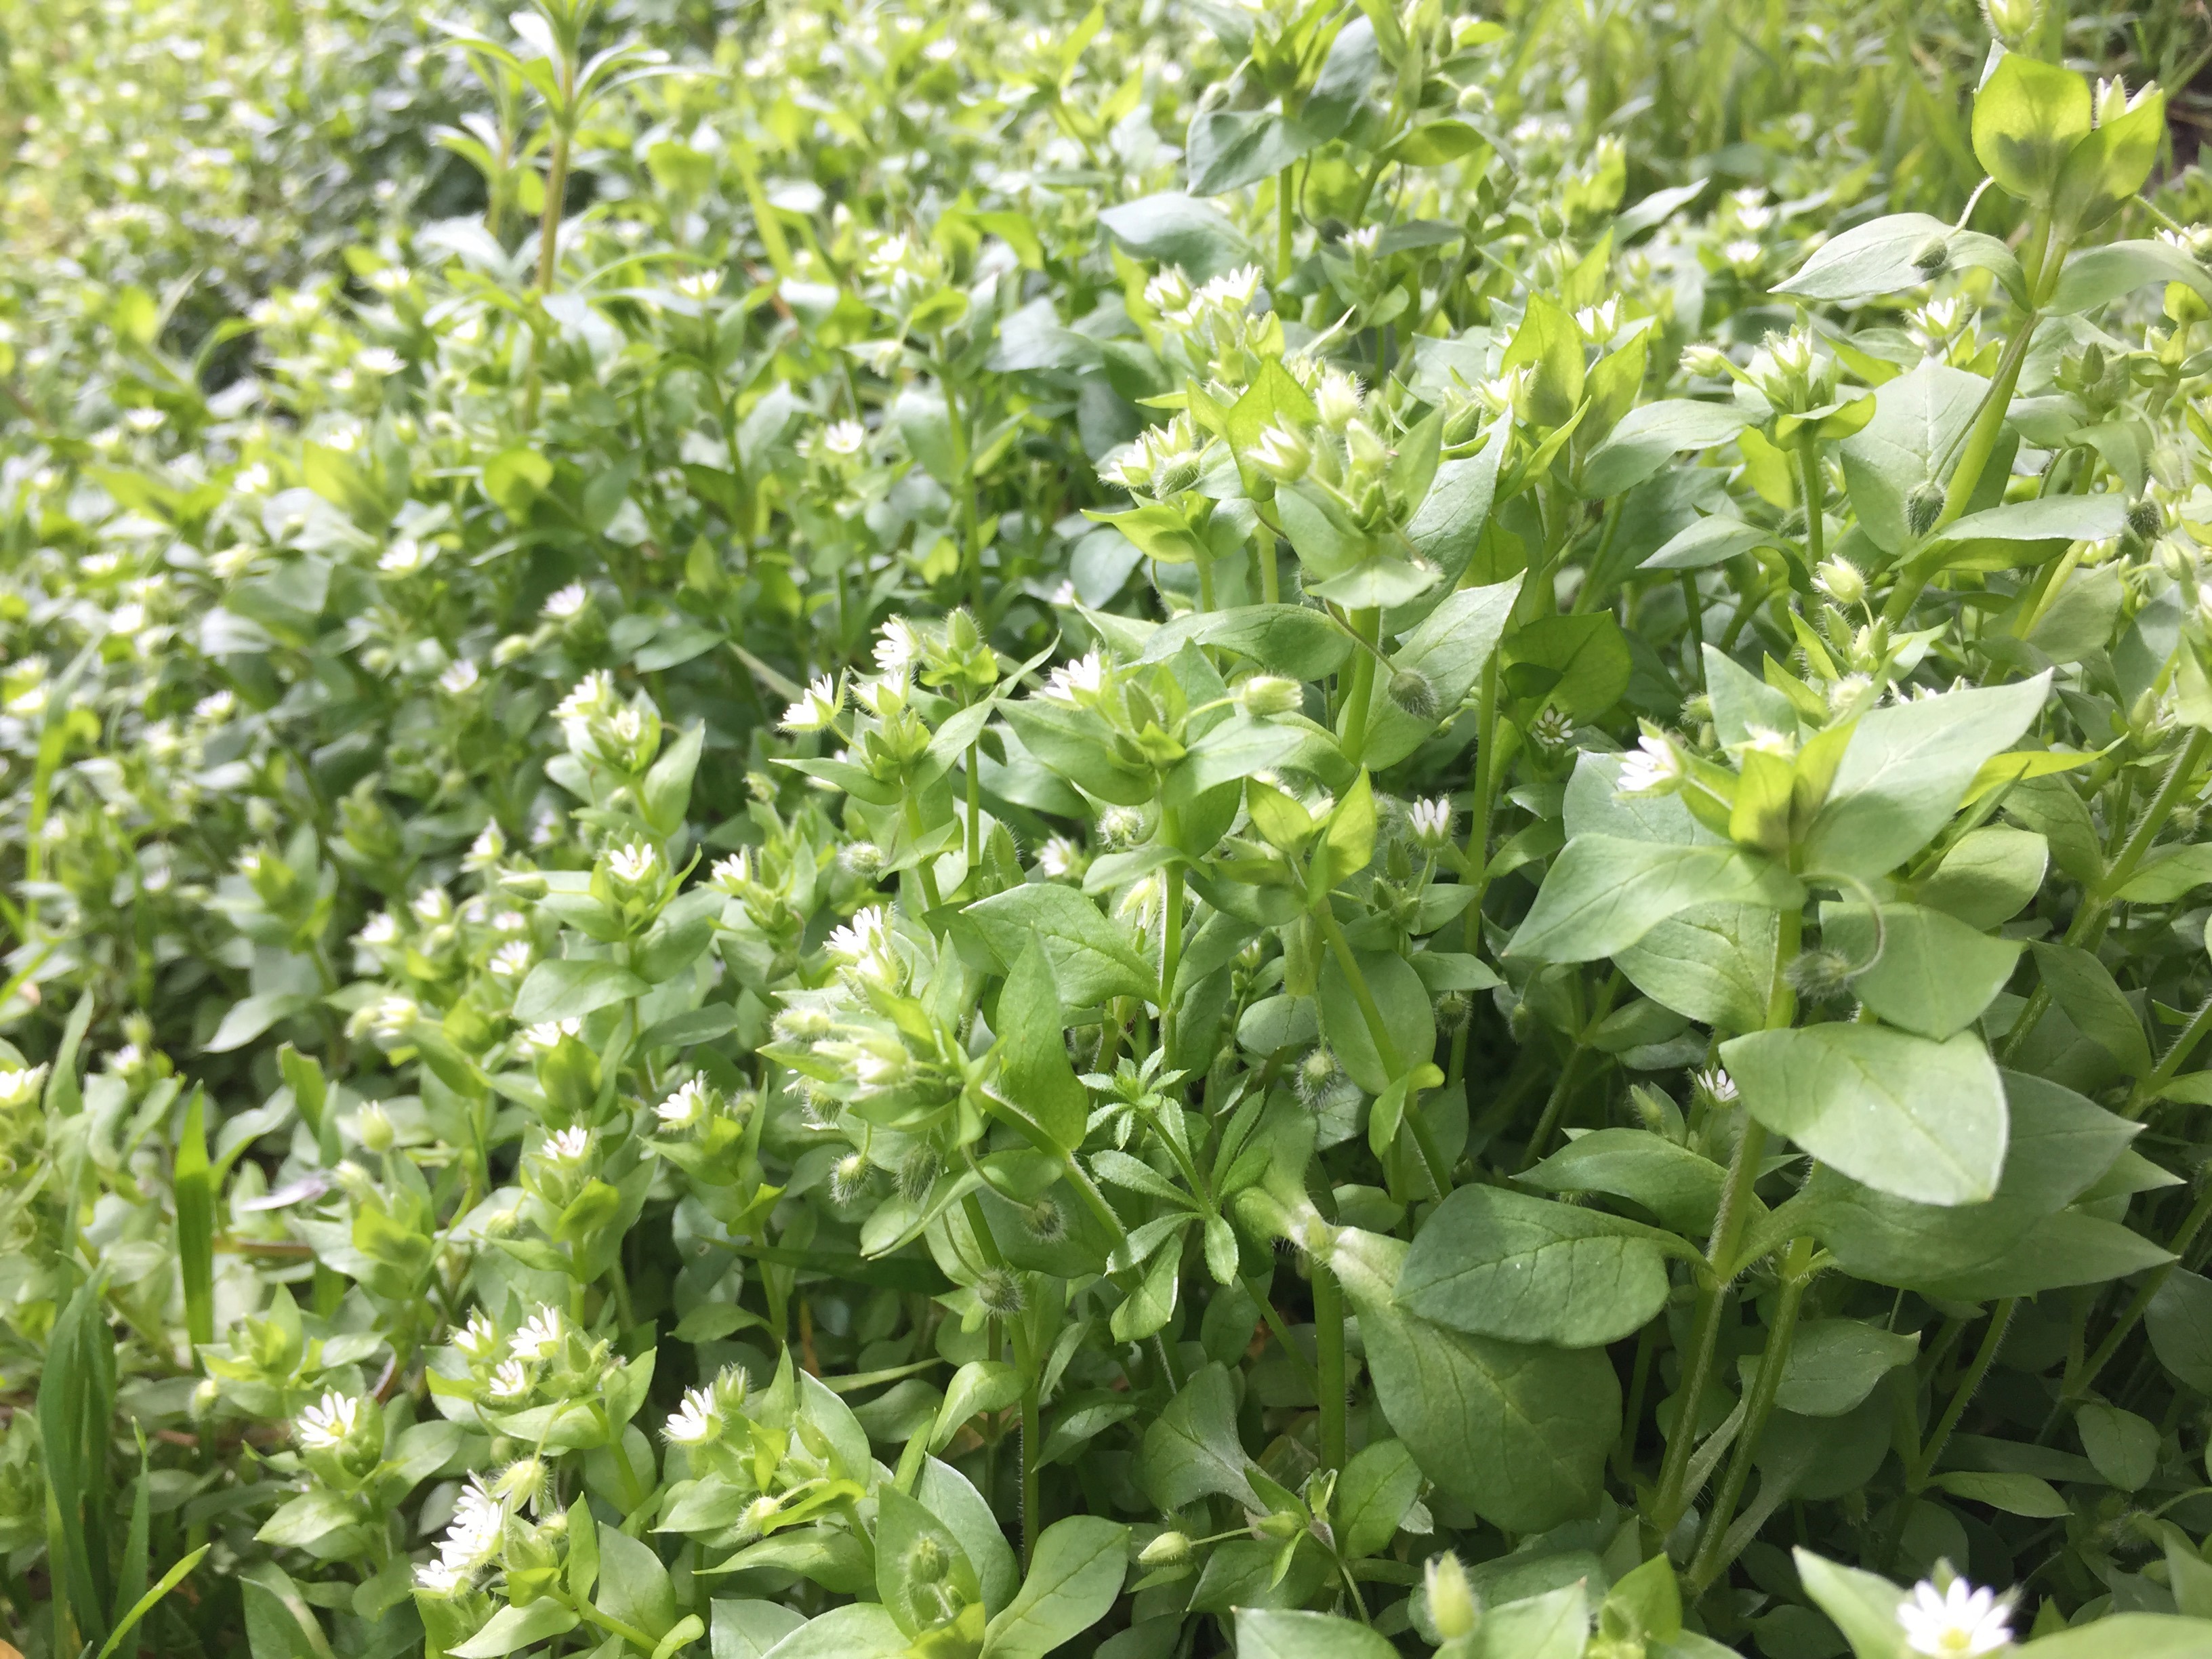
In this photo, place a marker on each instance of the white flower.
(591, 696)
(378, 359)
(689, 1105)
(570, 1146)
(439, 1578)
(432, 905)
(19, 1085)
(145, 420)
(1744, 254)
(253, 481)
(896, 647)
(323, 1427)
(509, 922)
(844, 437)
(460, 678)
(818, 709)
(695, 1421)
(548, 1033)
(470, 1540)
(734, 873)
(701, 285)
(1959, 1623)
(214, 707)
(1655, 767)
(868, 935)
(538, 1337)
(379, 930)
(388, 279)
(404, 557)
(511, 960)
(1073, 682)
(1716, 1084)
(478, 1338)
(563, 603)
(486, 849)
(1058, 858)
(632, 864)
(1431, 823)
(511, 1381)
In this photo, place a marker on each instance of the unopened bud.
(1165, 1551)
(926, 1560)
(1932, 257)
(1000, 1293)
(1453, 1607)
(1365, 448)
(1265, 695)
(1840, 579)
(1820, 975)
(1415, 693)
(2147, 519)
(1923, 508)
(2010, 21)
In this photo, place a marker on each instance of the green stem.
(549, 223)
(1386, 1049)
(1298, 1363)
(1816, 505)
(2177, 1053)
(1922, 1466)
(1721, 1265)
(1286, 212)
(1328, 1351)
(1708, 1563)
(975, 810)
(1352, 725)
(1170, 957)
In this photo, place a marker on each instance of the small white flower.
(20, 1086)
(439, 1578)
(508, 921)
(538, 1337)
(817, 708)
(1058, 858)
(432, 905)
(404, 557)
(896, 647)
(378, 359)
(844, 437)
(1073, 682)
(570, 1145)
(145, 420)
(1431, 822)
(253, 480)
(632, 864)
(479, 1338)
(324, 1426)
(564, 603)
(511, 960)
(868, 935)
(1655, 767)
(591, 696)
(547, 1033)
(379, 930)
(1716, 1084)
(695, 1421)
(486, 849)
(1959, 1623)
(700, 285)
(734, 873)
(687, 1107)
(460, 678)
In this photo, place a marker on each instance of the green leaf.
(2014, 1494)
(1920, 418)
(2123, 1446)
(1228, 149)
(2027, 116)
(2170, 874)
(1283, 1633)
(1548, 342)
(2126, 1636)
(861, 1631)
(514, 478)
(1191, 1450)
(1178, 230)
(513, 1628)
(1603, 893)
(1092, 958)
(1448, 648)
(1292, 640)
(1034, 1076)
(565, 988)
(1074, 1576)
(2083, 987)
(1679, 1187)
(2179, 1323)
(1988, 875)
(1650, 435)
(2107, 168)
(1835, 1364)
(1501, 1264)
(1920, 1119)
(1935, 975)
(750, 1629)
(1519, 1434)
(1905, 771)
(249, 1016)
(1580, 664)
(2098, 276)
(194, 1195)
(634, 1587)
(1408, 1016)
(1867, 260)
(1552, 1625)
(1373, 1497)
(145, 1604)
(905, 1526)
(1863, 1607)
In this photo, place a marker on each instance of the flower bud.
(1820, 975)
(1366, 449)
(2147, 519)
(1933, 257)
(1339, 400)
(1706, 362)
(2010, 21)
(1454, 1609)
(927, 1562)
(1267, 694)
(1165, 1551)
(1922, 507)
(1282, 454)
(1000, 1293)
(1840, 579)
(1415, 693)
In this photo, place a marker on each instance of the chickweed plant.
(869, 831)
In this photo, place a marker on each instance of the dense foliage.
(1314, 828)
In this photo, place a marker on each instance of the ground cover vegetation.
(1322, 829)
